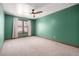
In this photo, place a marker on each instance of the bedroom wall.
(8, 26)
(1, 25)
(33, 27)
(61, 26)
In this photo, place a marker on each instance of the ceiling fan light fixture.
(34, 13)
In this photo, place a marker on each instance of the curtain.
(15, 28)
(29, 28)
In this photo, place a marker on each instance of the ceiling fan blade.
(32, 13)
(38, 12)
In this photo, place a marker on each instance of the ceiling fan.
(34, 13)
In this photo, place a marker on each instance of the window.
(22, 26)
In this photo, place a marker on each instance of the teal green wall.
(33, 27)
(61, 26)
(1, 26)
(8, 26)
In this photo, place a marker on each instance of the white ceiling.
(24, 9)
(37, 5)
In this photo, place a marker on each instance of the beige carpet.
(36, 46)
